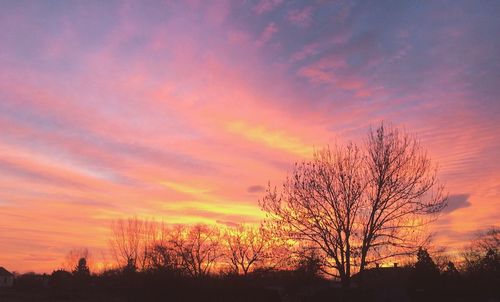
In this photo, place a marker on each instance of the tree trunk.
(345, 281)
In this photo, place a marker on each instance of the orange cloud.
(274, 139)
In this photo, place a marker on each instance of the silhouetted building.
(394, 276)
(6, 278)
(386, 283)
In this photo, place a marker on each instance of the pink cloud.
(265, 6)
(300, 17)
(218, 11)
(238, 37)
(306, 51)
(324, 70)
(267, 34)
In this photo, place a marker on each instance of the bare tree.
(483, 251)
(319, 202)
(74, 257)
(399, 199)
(487, 240)
(130, 241)
(197, 247)
(357, 206)
(160, 252)
(162, 256)
(308, 260)
(246, 247)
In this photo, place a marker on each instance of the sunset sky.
(183, 113)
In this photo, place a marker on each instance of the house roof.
(4, 272)
(384, 276)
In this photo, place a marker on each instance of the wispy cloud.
(301, 17)
(274, 139)
(264, 6)
(267, 34)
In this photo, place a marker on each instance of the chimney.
(395, 264)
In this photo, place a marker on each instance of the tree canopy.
(359, 203)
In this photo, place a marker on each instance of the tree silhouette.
(131, 240)
(198, 248)
(74, 255)
(162, 256)
(482, 256)
(81, 268)
(450, 270)
(425, 264)
(426, 273)
(402, 194)
(309, 262)
(246, 247)
(359, 206)
(131, 266)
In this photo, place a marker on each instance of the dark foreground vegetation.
(422, 281)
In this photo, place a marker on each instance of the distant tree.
(130, 267)
(359, 206)
(442, 258)
(488, 240)
(309, 262)
(246, 247)
(482, 255)
(482, 261)
(74, 255)
(198, 248)
(426, 273)
(130, 241)
(162, 256)
(160, 251)
(491, 262)
(425, 263)
(451, 270)
(451, 278)
(81, 268)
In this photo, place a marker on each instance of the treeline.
(199, 250)
(477, 278)
(246, 263)
(199, 262)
